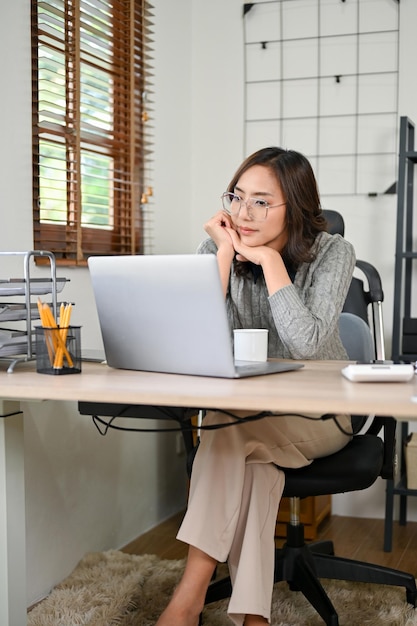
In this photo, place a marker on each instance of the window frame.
(127, 144)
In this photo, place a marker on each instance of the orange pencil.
(64, 322)
(48, 338)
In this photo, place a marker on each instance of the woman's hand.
(229, 244)
(255, 254)
(218, 228)
(273, 267)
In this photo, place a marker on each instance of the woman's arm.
(307, 313)
(217, 228)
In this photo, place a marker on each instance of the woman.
(282, 271)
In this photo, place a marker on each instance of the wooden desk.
(318, 387)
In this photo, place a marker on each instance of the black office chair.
(355, 467)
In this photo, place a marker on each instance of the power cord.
(103, 426)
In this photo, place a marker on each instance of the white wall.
(199, 115)
(173, 112)
(85, 492)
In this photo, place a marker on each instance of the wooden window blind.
(92, 129)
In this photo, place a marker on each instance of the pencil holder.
(58, 350)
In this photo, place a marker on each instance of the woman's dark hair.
(304, 214)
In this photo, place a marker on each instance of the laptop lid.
(166, 313)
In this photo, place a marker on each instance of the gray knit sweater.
(302, 318)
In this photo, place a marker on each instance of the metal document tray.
(12, 312)
(37, 286)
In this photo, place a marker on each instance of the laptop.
(166, 313)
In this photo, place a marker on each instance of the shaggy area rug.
(116, 589)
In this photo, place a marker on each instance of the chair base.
(302, 565)
(295, 564)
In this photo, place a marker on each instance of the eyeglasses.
(256, 207)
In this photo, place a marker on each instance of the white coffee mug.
(251, 344)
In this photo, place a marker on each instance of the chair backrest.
(356, 337)
(356, 301)
(335, 222)
(363, 302)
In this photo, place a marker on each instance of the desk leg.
(12, 517)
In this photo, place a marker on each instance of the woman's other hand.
(255, 254)
(218, 228)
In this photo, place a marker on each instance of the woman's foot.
(188, 599)
(178, 615)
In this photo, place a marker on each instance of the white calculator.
(378, 372)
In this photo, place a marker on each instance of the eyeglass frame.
(249, 209)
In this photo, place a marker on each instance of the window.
(91, 126)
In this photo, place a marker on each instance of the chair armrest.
(376, 293)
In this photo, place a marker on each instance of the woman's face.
(259, 182)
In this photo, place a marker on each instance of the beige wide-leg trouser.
(235, 492)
